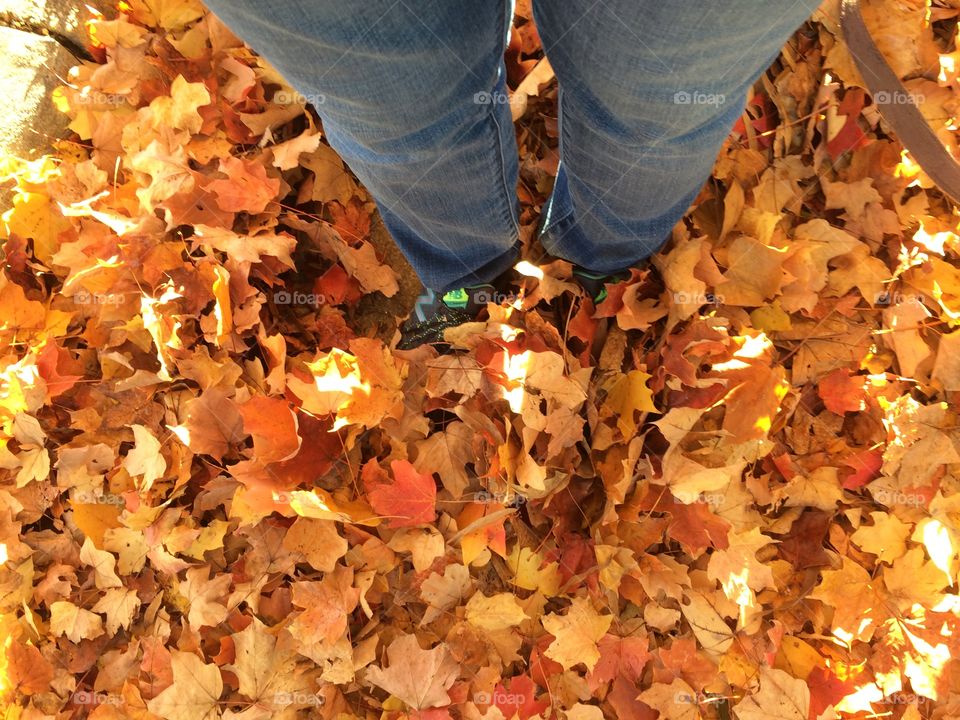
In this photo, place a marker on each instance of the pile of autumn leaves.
(217, 499)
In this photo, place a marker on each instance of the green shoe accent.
(456, 299)
(596, 283)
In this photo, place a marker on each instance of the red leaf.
(409, 500)
(850, 136)
(826, 689)
(519, 698)
(624, 656)
(841, 392)
(337, 287)
(50, 362)
(866, 466)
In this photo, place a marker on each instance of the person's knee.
(676, 119)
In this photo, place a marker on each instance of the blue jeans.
(412, 96)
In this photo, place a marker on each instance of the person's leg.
(404, 90)
(649, 89)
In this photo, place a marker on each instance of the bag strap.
(893, 101)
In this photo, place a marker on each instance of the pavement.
(32, 66)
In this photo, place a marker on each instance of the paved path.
(31, 67)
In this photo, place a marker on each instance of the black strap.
(895, 104)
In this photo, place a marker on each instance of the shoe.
(433, 314)
(595, 284)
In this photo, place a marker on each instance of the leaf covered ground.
(729, 491)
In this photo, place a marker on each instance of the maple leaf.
(34, 217)
(519, 696)
(28, 672)
(286, 155)
(886, 538)
(327, 605)
(195, 692)
(418, 677)
(779, 697)
(168, 171)
(179, 110)
(211, 424)
(441, 592)
(619, 656)
(273, 427)
(576, 634)
(103, 564)
(246, 187)
(496, 612)
(857, 600)
(145, 458)
(248, 248)
(318, 541)
(913, 579)
(675, 700)
(205, 597)
(120, 605)
(331, 182)
(841, 392)
(628, 395)
(706, 621)
(737, 569)
(407, 501)
(260, 664)
(74, 622)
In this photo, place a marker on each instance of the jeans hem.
(490, 270)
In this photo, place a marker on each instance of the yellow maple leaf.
(497, 612)
(628, 394)
(778, 697)
(576, 634)
(195, 692)
(34, 217)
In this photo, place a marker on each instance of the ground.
(728, 491)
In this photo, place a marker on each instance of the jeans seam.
(547, 230)
(507, 194)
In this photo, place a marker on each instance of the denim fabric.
(412, 96)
